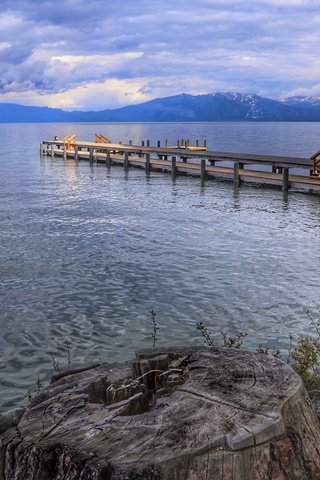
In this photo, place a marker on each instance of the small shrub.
(204, 332)
(232, 342)
(306, 360)
(275, 352)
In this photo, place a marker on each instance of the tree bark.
(171, 414)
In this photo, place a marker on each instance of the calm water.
(86, 252)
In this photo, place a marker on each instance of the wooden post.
(64, 152)
(174, 165)
(76, 154)
(41, 150)
(147, 164)
(130, 142)
(197, 143)
(52, 151)
(203, 169)
(142, 143)
(178, 143)
(158, 143)
(167, 142)
(148, 143)
(205, 143)
(108, 159)
(91, 155)
(236, 177)
(285, 180)
(126, 161)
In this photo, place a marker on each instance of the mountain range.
(209, 107)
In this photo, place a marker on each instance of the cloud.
(63, 51)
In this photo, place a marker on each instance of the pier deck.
(249, 168)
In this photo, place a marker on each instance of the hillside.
(180, 108)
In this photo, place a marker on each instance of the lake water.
(86, 252)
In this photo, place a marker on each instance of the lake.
(86, 252)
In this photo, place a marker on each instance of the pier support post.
(197, 143)
(108, 159)
(126, 161)
(205, 143)
(203, 169)
(285, 179)
(174, 165)
(147, 164)
(158, 143)
(236, 177)
(167, 142)
(41, 150)
(91, 155)
(76, 153)
(52, 151)
(64, 152)
(178, 143)
(148, 143)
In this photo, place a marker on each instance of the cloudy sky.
(97, 54)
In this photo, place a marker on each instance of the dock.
(187, 159)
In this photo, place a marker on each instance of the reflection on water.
(86, 252)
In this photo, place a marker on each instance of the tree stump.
(171, 414)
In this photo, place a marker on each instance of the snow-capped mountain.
(217, 106)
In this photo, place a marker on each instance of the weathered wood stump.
(171, 414)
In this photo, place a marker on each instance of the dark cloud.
(158, 48)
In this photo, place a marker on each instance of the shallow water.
(86, 252)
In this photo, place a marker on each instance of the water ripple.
(86, 253)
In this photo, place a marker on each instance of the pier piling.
(203, 169)
(285, 175)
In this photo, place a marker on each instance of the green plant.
(204, 332)
(275, 352)
(55, 364)
(40, 386)
(306, 360)
(304, 356)
(155, 327)
(68, 352)
(232, 342)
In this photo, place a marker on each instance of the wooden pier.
(184, 158)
